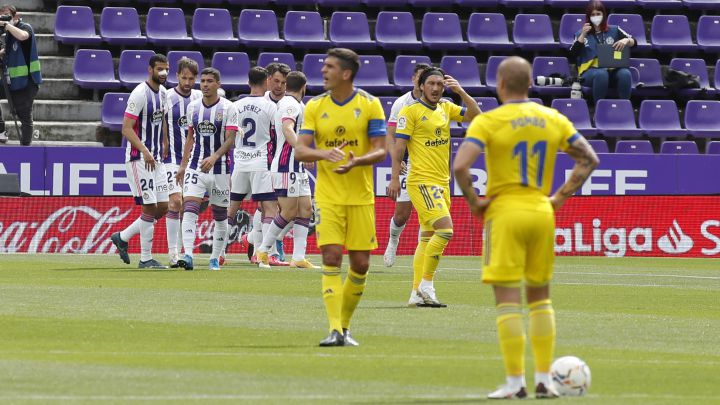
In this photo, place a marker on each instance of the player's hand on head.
(452, 84)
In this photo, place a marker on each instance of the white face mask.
(596, 19)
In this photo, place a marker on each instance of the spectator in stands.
(596, 31)
(20, 62)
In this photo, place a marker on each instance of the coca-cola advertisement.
(659, 226)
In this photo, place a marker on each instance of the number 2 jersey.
(176, 109)
(288, 108)
(147, 107)
(255, 117)
(209, 124)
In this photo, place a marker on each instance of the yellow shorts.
(519, 245)
(352, 226)
(431, 202)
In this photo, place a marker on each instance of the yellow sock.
(418, 261)
(542, 334)
(433, 251)
(512, 338)
(332, 295)
(352, 292)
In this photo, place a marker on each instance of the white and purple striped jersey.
(209, 124)
(255, 117)
(402, 101)
(268, 98)
(177, 122)
(147, 107)
(284, 161)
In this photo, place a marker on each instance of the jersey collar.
(527, 100)
(347, 100)
(419, 100)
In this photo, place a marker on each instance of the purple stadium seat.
(671, 33)
(336, 3)
(619, 3)
(121, 26)
(569, 25)
(716, 78)
(266, 58)
(113, 110)
(476, 3)
(708, 33)
(75, 25)
(491, 71)
(293, 2)
(385, 3)
(403, 70)
(599, 145)
(430, 3)
(133, 67)
(487, 103)
(546, 66)
(650, 77)
(567, 3)
(387, 103)
(634, 25)
(213, 27)
(679, 147)
(576, 110)
(372, 75)
(522, 3)
(94, 69)
(312, 65)
(259, 29)
(616, 118)
(396, 30)
(488, 32)
(166, 26)
(465, 70)
(696, 67)
(702, 4)
(660, 118)
(643, 146)
(702, 118)
(442, 31)
(713, 148)
(533, 32)
(175, 56)
(234, 68)
(203, 2)
(350, 30)
(660, 4)
(304, 29)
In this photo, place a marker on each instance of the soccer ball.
(570, 376)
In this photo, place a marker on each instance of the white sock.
(255, 236)
(424, 283)
(542, 378)
(285, 230)
(189, 223)
(514, 382)
(300, 232)
(395, 231)
(172, 225)
(265, 229)
(131, 230)
(147, 228)
(219, 238)
(270, 236)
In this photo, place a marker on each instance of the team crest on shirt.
(131, 106)
(340, 130)
(219, 116)
(402, 123)
(291, 111)
(157, 117)
(357, 113)
(183, 122)
(206, 128)
(438, 131)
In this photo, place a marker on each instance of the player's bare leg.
(397, 225)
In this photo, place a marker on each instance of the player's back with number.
(255, 117)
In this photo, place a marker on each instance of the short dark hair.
(157, 58)
(10, 8)
(211, 71)
(295, 81)
(349, 60)
(257, 76)
(430, 72)
(275, 67)
(189, 64)
(421, 66)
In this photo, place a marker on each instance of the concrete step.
(25, 6)
(61, 131)
(60, 110)
(42, 23)
(47, 46)
(61, 89)
(60, 67)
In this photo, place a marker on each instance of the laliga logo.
(675, 242)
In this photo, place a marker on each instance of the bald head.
(515, 75)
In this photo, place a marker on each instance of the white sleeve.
(395, 111)
(189, 114)
(136, 103)
(290, 111)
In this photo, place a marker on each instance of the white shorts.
(293, 184)
(404, 196)
(148, 187)
(171, 169)
(257, 183)
(217, 186)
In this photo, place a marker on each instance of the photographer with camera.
(20, 71)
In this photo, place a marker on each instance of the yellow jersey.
(332, 123)
(521, 140)
(427, 131)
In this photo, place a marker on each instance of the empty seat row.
(393, 30)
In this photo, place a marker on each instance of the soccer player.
(520, 140)
(347, 126)
(290, 180)
(142, 127)
(423, 128)
(174, 134)
(212, 125)
(403, 207)
(250, 173)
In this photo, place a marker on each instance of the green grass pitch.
(90, 329)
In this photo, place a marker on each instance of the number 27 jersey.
(255, 117)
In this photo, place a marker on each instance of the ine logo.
(675, 242)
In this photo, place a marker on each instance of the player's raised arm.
(585, 162)
(472, 107)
